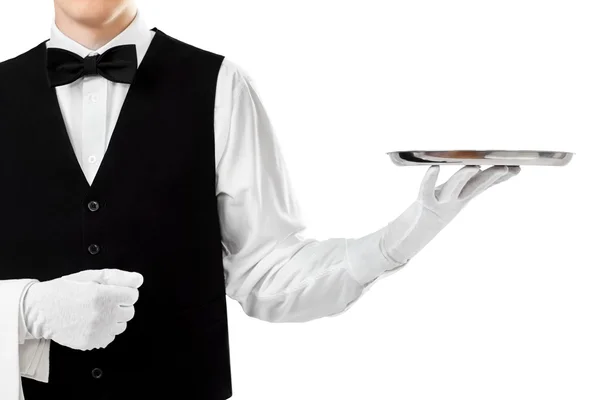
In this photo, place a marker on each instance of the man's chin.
(91, 13)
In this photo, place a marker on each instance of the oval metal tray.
(480, 157)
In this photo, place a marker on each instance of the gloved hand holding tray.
(480, 157)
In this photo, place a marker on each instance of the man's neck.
(94, 36)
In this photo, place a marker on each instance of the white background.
(504, 303)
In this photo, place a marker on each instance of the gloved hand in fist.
(83, 311)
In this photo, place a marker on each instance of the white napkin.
(10, 375)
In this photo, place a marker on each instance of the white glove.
(84, 310)
(435, 207)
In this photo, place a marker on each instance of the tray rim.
(546, 157)
(481, 151)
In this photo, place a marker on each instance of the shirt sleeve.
(271, 268)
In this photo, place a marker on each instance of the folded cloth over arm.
(19, 356)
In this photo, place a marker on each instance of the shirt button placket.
(93, 122)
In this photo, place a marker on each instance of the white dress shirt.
(274, 272)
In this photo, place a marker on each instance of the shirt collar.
(136, 33)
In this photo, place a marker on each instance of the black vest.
(157, 215)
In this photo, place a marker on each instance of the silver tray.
(480, 157)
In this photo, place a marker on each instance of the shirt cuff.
(34, 359)
(34, 353)
(23, 331)
(367, 260)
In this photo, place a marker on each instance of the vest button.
(93, 205)
(93, 248)
(97, 373)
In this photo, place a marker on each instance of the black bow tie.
(117, 64)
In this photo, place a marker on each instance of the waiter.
(140, 170)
